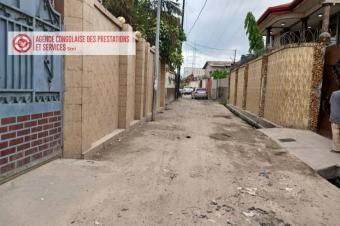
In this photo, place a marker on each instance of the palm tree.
(170, 7)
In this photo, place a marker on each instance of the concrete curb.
(251, 119)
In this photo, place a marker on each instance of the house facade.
(196, 73)
(211, 66)
(301, 21)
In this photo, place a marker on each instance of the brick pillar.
(264, 72)
(245, 87)
(236, 83)
(228, 89)
(126, 87)
(140, 79)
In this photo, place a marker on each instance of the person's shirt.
(335, 107)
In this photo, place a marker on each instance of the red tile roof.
(280, 9)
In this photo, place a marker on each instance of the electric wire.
(198, 17)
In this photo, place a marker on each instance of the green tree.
(141, 14)
(122, 8)
(256, 43)
(220, 74)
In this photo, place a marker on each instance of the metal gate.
(30, 90)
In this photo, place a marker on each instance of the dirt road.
(200, 165)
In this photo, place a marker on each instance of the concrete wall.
(282, 86)
(170, 87)
(195, 84)
(219, 89)
(104, 93)
(205, 83)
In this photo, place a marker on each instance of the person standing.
(335, 120)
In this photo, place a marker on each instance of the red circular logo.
(22, 43)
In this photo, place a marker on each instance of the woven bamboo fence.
(240, 87)
(254, 86)
(232, 90)
(283, 86)
(288, 88)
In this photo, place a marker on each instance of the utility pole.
(235, 53)
(156, 64)
(178, 77)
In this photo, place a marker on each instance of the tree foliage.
(141, 14)
(220, 74)
(256, 44)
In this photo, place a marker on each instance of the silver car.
(200, 93)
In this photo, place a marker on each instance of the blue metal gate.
(30, 90)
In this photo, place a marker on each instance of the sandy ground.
(196, 165)
(200, 165)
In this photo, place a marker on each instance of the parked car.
(188, 90)
(200, 93)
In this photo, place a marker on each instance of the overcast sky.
(221, 27)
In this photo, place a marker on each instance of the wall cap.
(104, 11)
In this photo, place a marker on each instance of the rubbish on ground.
(250, 191)
(171, 213)
(289, 189)
(255, 212)
(258, 210)
(42, 199)
(212, 221)
(213, 202)
(264, 174)
(96, 223)
(249, 214)
(230, 222)
(203, 216)
(218, 215)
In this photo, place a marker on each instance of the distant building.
(197, 73)
(211, 66)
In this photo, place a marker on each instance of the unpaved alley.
(196, 165)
